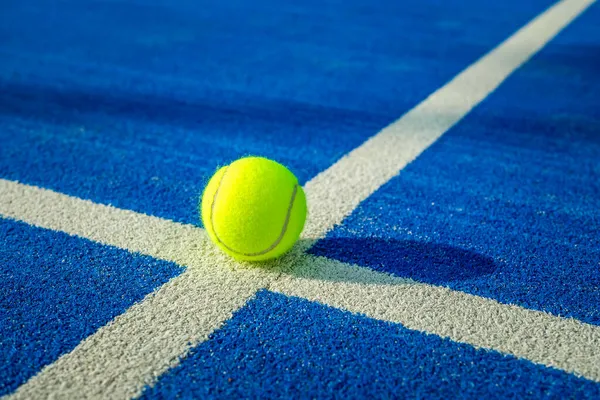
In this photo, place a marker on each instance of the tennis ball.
(254, 209)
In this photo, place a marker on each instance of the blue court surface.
(453, 260)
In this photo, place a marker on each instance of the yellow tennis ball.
(254, 209)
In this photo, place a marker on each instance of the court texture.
(450, 155)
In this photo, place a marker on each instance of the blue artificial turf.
(56, 289)
(136, 103)
(140, 111)
(282, 347)
(507, 204)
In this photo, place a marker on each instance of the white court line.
(150, 337)
(336, 192)
(89, 369)
(137, 346)
(562, 343)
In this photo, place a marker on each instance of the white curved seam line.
(274, 244)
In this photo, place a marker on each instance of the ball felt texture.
(254, 209)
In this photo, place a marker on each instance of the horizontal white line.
(137, 346)
(118, 360)
(562, 343)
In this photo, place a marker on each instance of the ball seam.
(274, 244)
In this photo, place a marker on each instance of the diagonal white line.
(336, 192)
(136, 347)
